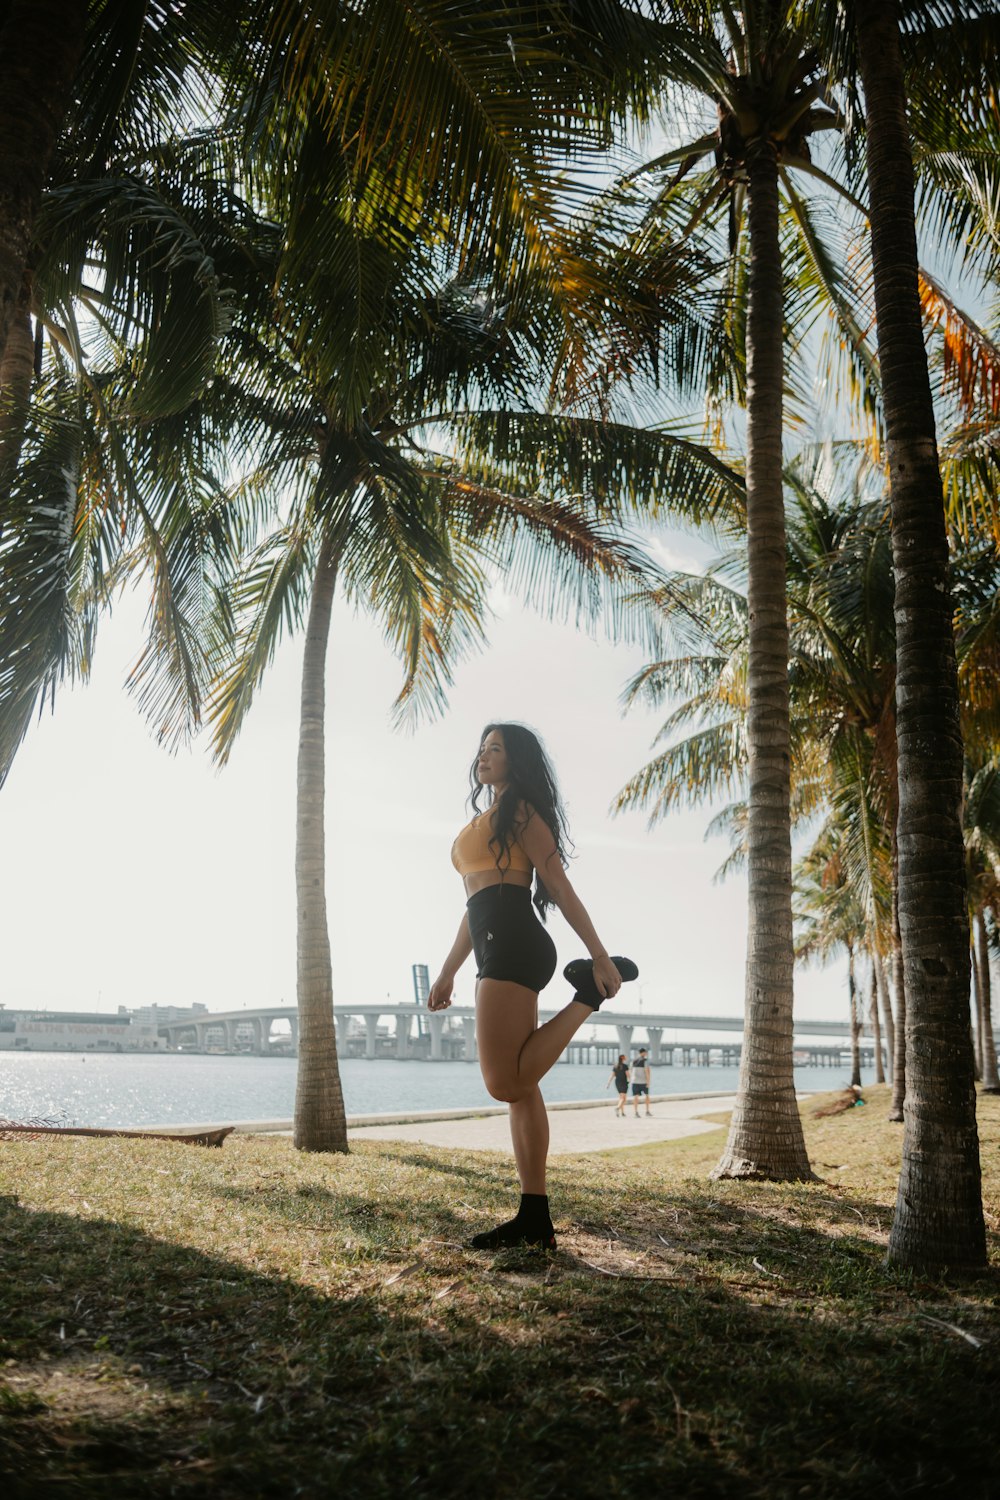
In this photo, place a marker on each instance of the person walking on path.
(641, 1080)
(521, 833)
(620, 1075)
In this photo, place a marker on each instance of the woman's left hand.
(606, 977)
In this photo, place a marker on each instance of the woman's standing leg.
(506, 1017)
(529, 1133)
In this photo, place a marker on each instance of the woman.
(521, 831)
(620, 1075)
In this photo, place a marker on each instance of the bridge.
(444, 1035)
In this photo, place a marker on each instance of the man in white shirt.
(641, 1080)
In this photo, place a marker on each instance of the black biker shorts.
(508, 939)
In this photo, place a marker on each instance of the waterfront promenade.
(574, 1128)
(581, 1126)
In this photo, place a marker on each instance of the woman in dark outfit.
(522, 831)
(620, 1075)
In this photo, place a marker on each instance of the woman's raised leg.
(515, 1053)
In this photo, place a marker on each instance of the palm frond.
(161, 298)
(706, 765)
(617, 471)
(55, 549)
(270, 598)
(971, 358)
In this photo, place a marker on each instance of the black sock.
(532, 1225)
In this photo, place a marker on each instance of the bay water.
(174, 1089)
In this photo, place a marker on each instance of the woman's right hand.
(440, 993)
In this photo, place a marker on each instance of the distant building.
(74, 1031)
(162, 1015)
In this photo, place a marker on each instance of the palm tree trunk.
(888, 1026)
(988, 1064)
(320, 1121)
(939, 1213)
(876, 1028)
(976, 1021)
(765, 1135)
(852, 993)
(40, 46)
(17, 367)
(899, 985)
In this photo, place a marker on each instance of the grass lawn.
(257, 1322)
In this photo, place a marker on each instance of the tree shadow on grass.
(421, 1192)
(488, 1168)
(810, 1230)
(152, 1368)
(381, 1224)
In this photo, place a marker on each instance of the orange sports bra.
(471, 852)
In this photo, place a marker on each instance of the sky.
(131, 875)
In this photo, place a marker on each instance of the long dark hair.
(531, 779)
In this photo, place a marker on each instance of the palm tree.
(840, 678)
(451, 145)
(415, 179)
(832, 920)
(939, 1218)
(406, 526)
(842, 685)
(762, 76)
(876, 1024)
(448, 124)
(981, 817)
(780, 64)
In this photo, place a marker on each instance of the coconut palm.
(128, 309)
(468, 126)
(842, 691)
(413, 118)
(769, 85)
(840, 677)
(831, 921)
(981, 816)
(406, 525)
(939, 1218)
(978, 639)
(782, 61)
(414, 176)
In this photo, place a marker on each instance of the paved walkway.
(574, 1129)
(580, 1126)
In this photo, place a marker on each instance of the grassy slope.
(252, 1322)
